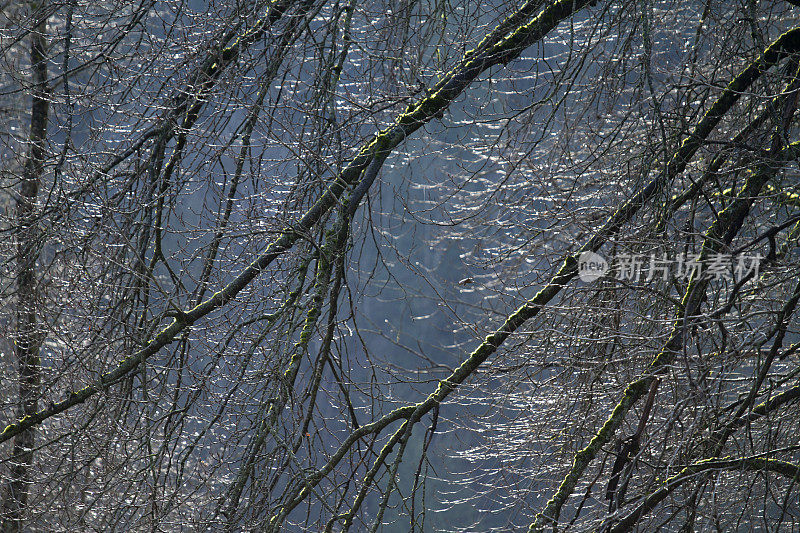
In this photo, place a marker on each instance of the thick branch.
(756, 464)
(382, 144)
(720, 234)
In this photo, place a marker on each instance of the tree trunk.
(27, 339)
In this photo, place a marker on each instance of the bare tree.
(309, 265)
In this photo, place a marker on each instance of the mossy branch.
(719, 234)
(752, 464)
(381, 145)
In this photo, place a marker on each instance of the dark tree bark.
(27, 342)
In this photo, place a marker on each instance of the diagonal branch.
(450, 86)
(753, 464)
(720, 234)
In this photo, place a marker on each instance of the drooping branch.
(720, 234)
(779, 330)
(785, 44)
(752, 464)
(380, 146)
(285, 40)
(628, 450)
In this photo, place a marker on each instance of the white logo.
(591, 266)
(635, 267)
